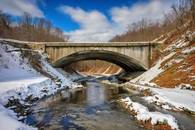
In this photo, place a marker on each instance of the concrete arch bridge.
(131, 56)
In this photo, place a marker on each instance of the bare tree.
(182, 12)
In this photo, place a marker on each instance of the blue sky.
(90, 20)
(87, 5)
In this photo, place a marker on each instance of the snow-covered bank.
(143, 114)
(19, 80)
(180, 99)
(9, 121)
(168, 98)
(17, 84)
(21, 90)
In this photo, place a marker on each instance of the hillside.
(176, 64)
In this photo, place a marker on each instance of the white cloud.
(154, 10)
(95, 26)
(19, 7)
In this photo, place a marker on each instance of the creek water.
(91, 108)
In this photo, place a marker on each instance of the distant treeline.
(27, 28)
(145, 30)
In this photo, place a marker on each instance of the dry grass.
(178, 73)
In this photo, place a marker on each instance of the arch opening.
(95, 68)
(129, 64)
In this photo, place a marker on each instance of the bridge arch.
(126, 62)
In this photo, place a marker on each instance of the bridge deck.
(83, 44)
(99, 44)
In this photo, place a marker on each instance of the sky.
(90, 20)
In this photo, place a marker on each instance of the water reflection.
(67, 124)
(95, 95)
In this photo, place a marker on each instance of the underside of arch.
(125, 62)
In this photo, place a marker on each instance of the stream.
(93, 107)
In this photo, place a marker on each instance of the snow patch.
(9, 121)
(174, 98)
(184, 86)
(189, 50)
(180, 99)
(12, 66)
(143, 114)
